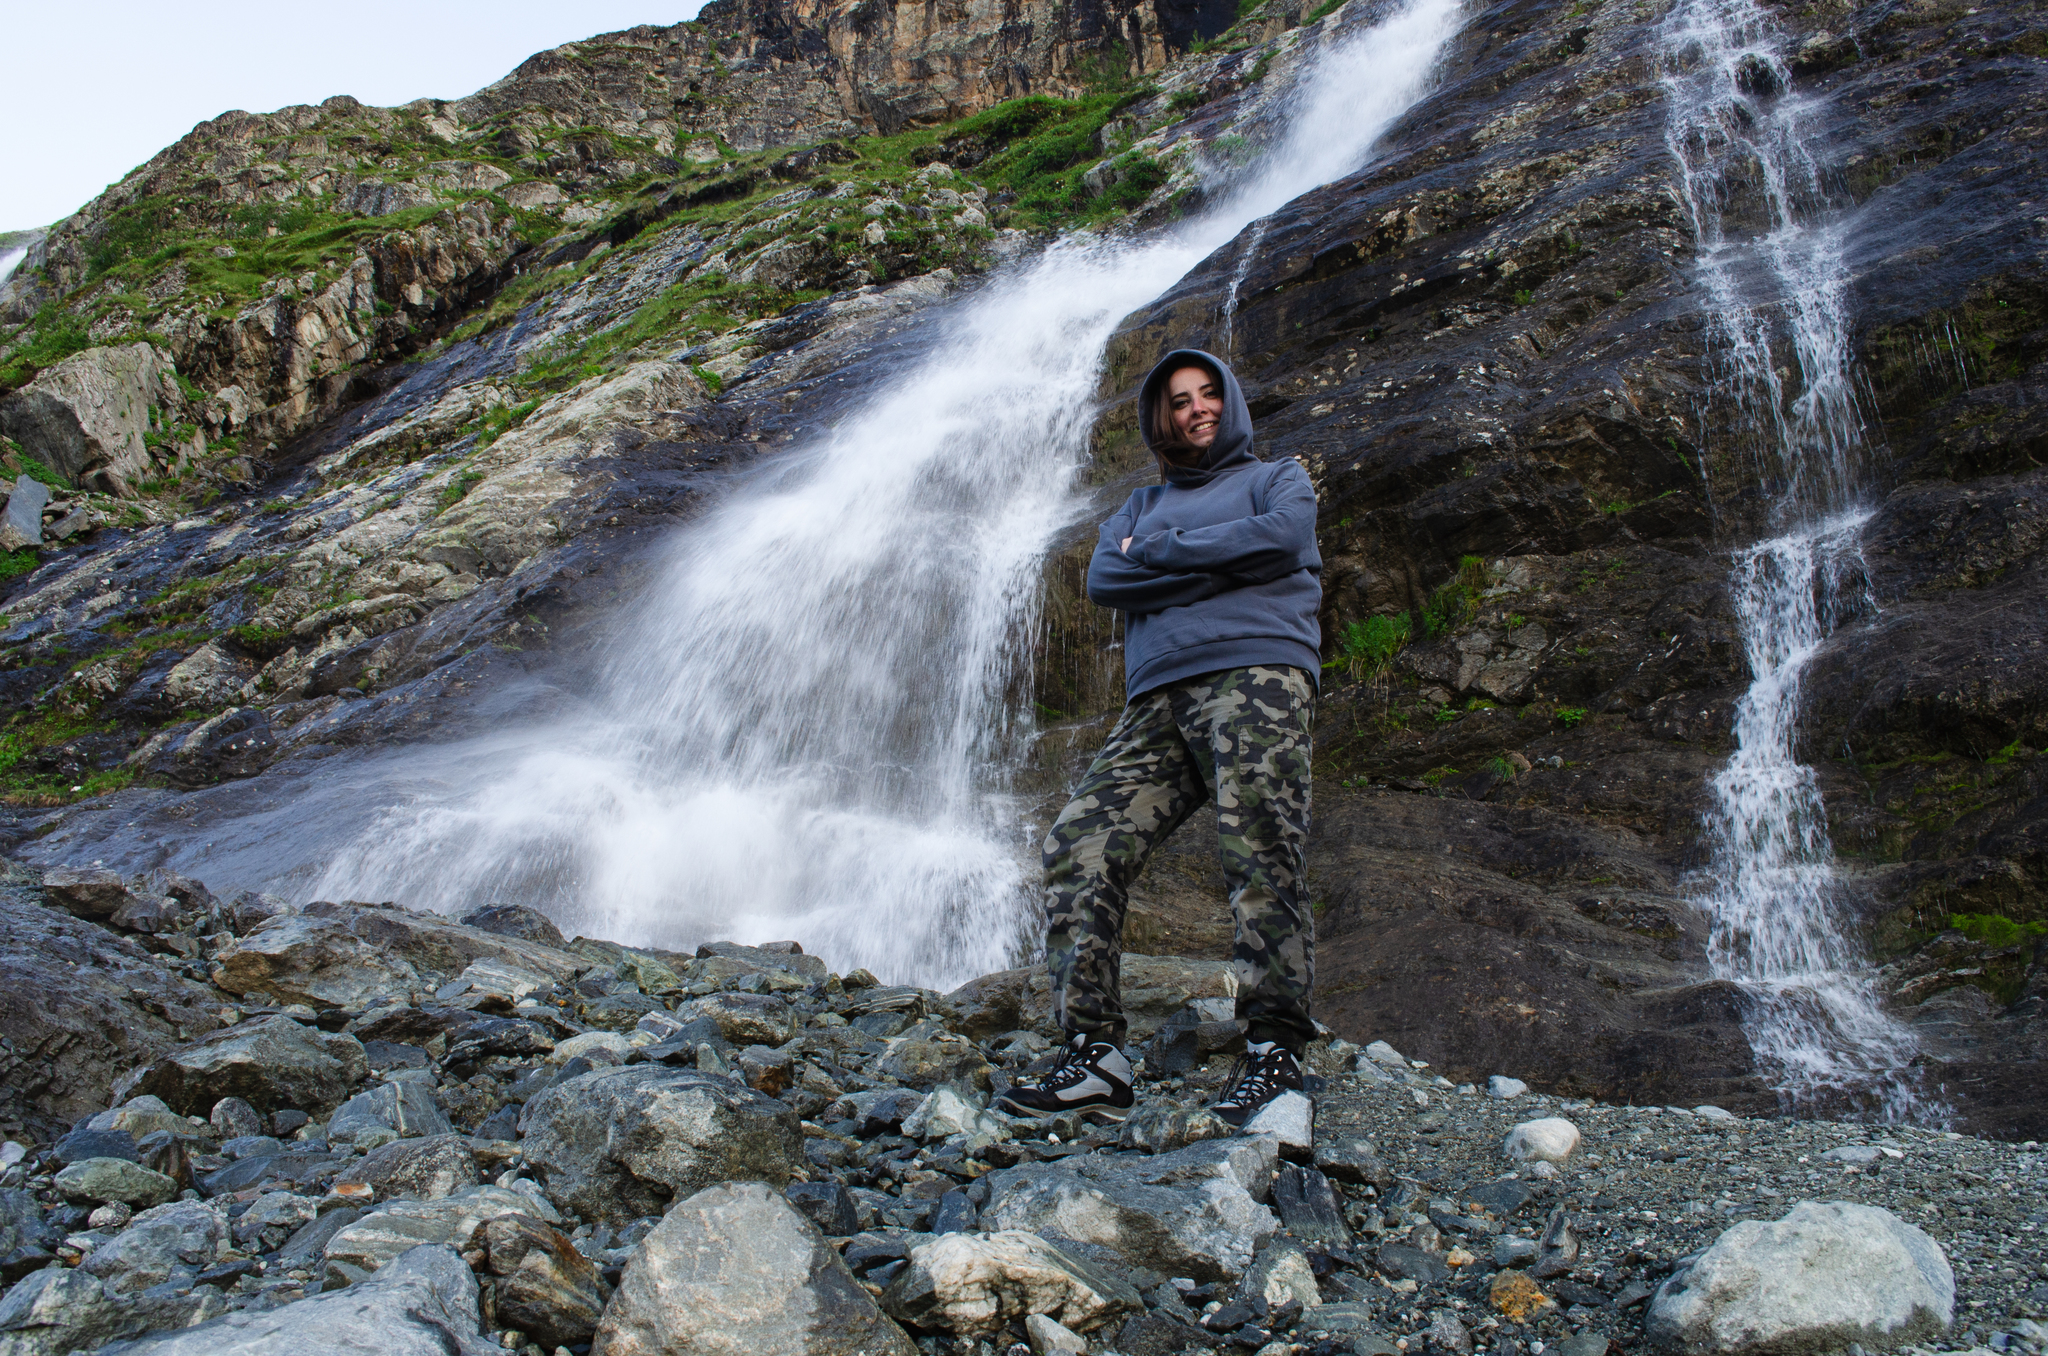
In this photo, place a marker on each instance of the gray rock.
(617, 1144)
(1504, 1088)
(945, 1113)
(1410, 1263)
(292, 1168)
(826, 1204)
(174, 1240)
(423, 1304)
(1194, 1212)
(539, 1284)
(1448, 1335)
(1557, 1252)
(87, 415)
(974, 1284)
(1514, 1252)
(1162, 1127)
(744, 1019)
(343, 955)
(103, 1004)
(1290, 1119)
(115, 1179)
(382, 1236)
(1310, 1208)
(516, 920)
(735, 1267)
(270, 1063)
(273, 1219)
(59, 1310)
(416, 1169)
(86, 1142)
(405, 1108)
(795, 962)
(1352, 1161)
(1280, 1274)
(924, 1056)
(1552, 1139)
(1826, 1275)
(1048, 1338)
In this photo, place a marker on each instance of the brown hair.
(1167, 443)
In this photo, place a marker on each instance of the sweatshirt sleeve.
(1116, 580)
(1258, 549)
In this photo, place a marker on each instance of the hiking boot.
(1263, 1072)
(1090, 1076)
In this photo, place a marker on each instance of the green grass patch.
(1455, 603)
(14, 564)
(1366, 648)
(1995, 930)
(55, 334)
(1569, 716)
(458, 490)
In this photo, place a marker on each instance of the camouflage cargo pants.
(1243, 735)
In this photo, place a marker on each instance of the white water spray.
(1778, 298)
(1245, 258)
(807, 732)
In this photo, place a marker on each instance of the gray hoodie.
(1223, 570)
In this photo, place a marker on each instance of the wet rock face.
(1486, 347)
(102, 1003)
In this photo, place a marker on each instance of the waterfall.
(1245, 258)
(10, 255)
(807, 725)
(1770, 239)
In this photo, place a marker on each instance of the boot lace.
(1071, 1069)
(1256, 1079)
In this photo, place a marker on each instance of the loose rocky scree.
(499, 1138)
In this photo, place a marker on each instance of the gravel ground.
(1651, 1185)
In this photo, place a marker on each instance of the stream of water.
(1771, 265)
(806, 730)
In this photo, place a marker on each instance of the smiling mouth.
(1203, 426)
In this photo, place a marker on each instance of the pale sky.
(95, 87)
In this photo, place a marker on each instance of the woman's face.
(1197, 405)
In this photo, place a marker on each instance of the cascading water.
(1245, 257)
(806, 730)
(10, 255)
(1777, 298)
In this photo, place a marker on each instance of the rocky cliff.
(427, 381)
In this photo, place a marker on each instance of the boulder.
(115, 1179)
(735, 1270)
(87, 415)
(343, 955)
(974, 1284)
(59, 1310)
(1154, 989)
(406, 1109)
(945, 1113)
(1194, 1212)
(1826, 1275)
(1290, 1119)
(1550, 1140)
(617, 1144)
(423, 1304)
(271, 1063)
(1354, 1161)
(103, 1004)
(382, 1236)
(922, 1057)
(22, 522)
(745, 1019)
(516, 920)
(1280, 1274)
(272, 1219)
(783, 956)
(1162, 1127)
(169, 1242)
(537, 1282)
(416, 1169)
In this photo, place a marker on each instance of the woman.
(1216, 571)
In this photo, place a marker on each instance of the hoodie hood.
(1233, 445)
